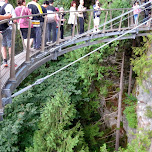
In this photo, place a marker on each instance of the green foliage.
(55, 132)
(148, 112)
(17, 127)
(130, 110)
(24, 113)
(103, 148)
(140, 143)
(141, 61)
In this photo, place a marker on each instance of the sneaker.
(5, 64)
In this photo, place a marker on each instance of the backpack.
(2, 12)
(50, 17)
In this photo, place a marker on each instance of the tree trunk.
(130, 74)
(119, 105)
(150, 150)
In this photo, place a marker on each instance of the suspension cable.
(39, 81)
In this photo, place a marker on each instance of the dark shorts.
(25, 33)
(7, 37)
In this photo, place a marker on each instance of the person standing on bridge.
(72, 15)
(51, 26)
(136, 11)
(36, 9)
(62, 22)
(96, 15)
(23, 23)
(81, 9)
(6, 29)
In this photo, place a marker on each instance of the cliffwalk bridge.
(112, 28)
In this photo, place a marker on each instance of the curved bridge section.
(28, 61)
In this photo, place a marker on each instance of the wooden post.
(43, 34)
(119, 105)
(77, 29)
(58, 35)
(1, 107)
(132, 18)
(91, 14)
(12, 61)
(128, 19)
(28, 43)
(120, 21)
(105, 22)
(73, 30)
(111, 18)
(150, 150)
(149, 22)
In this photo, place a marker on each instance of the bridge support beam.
(1, 107)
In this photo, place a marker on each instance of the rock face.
(128, 130)
(144, 97)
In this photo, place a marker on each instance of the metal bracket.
(7, 100)
(55, 55)
(1, 114)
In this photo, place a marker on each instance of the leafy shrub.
(148, 112)
(130, 111)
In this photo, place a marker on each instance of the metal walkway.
(28, 61)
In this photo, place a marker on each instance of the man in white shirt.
(81, 16)
(6, 29)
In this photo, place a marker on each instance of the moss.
(148, 112)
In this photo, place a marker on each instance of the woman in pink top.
(136, 11)
(22, 10)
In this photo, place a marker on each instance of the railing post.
(120, 21)
(28, 43)
(132, 18)
(73, 30)
(1, 107)
(12, 61)
(77, 29)
(128, 19)
(111, 18)
(149, 22)
(58, 36)
(91, 14)
(105, 22)
(43, 34)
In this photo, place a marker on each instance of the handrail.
(88, 10)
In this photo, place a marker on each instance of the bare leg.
(4, 53)
(9, 50)
(31, 42)
(25, 42)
